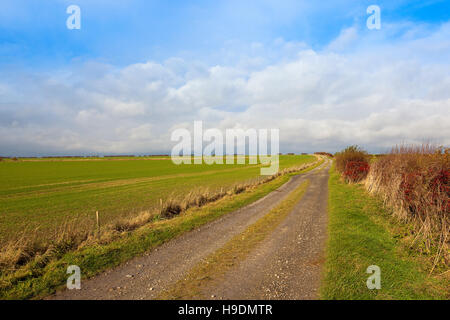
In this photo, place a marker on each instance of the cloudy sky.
(139, 69)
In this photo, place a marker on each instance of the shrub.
(356, 170)
(353, 163)
(415, 181)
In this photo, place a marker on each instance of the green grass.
(363, 233)
(47, 193)
(35, 281)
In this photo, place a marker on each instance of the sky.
(137, 70)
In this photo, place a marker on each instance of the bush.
(415, 180)
(352, 163)
(356, 170)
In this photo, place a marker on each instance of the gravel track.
(287, 264)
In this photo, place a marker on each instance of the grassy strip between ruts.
(363, 233)
(235, 250)
(38, 282)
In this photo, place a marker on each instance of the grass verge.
(363, 233)
(37, 281)
(235, 250)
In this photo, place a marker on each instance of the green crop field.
(44, 194)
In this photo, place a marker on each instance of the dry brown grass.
(32, 248)
(414, 180)
(130, 224)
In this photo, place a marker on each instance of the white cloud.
(347, 37)
(376, 94)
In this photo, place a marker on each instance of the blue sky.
(33, 33)
(144, 66)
